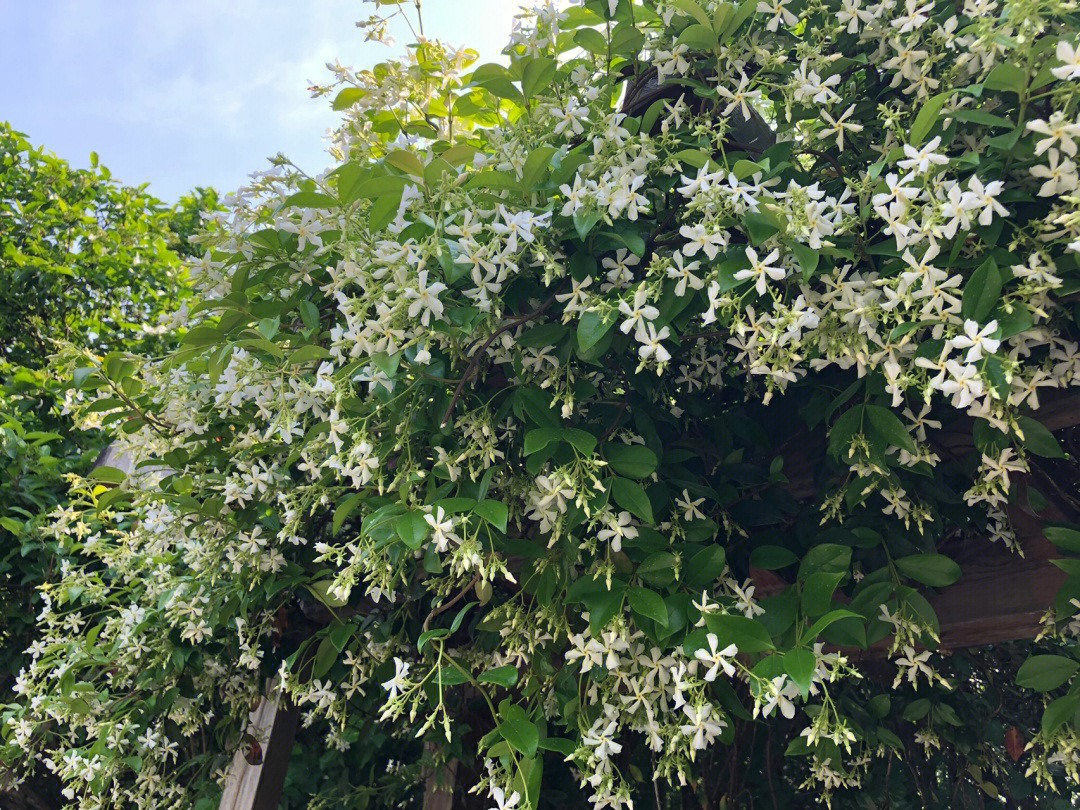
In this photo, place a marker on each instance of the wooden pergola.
(1000, 597)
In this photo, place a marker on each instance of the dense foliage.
(472, 441)
(86, 260)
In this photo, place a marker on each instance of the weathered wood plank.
(257, 776)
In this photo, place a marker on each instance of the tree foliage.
(83, 259)
(472, 441)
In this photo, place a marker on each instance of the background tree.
(88, 261)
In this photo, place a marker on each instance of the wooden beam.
(257, 773)
(1000, 597)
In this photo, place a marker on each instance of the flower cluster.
(480, 436)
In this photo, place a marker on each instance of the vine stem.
(447, 605)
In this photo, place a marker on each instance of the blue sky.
(180, 93)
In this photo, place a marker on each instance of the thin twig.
(615, 421)
(474, 361)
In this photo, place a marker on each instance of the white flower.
(780, 695)
(780, 13)
(920, 160)
(651, 344)
(400, 680)
(425, 298)
(700, 239)
(442, 528)
(502, 802)
(1060, 175)
(977, 341)
(685, 275)
(637, 315)
(1071, 57)
(690, 507)
(719, 659)
(307, 229)
(838, 126)
(616, 527)
(739, 97)
(983, 197)
(703, 726)
(761, 270)
(1058, 132)
(570, 117)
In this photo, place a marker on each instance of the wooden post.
(257, 772)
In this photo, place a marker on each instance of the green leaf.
(649, 604)
(926, 118)
(1006, 76)
(698, 37)
(1059, 712)
(536, 166)
(501, 676)
(581, 440)
(982, 291)
(559, 744)
(742, 13)
(844, 429)
(309, 314)
(879, 706)
(412, 529)
(1063, 537)
(800, 664)
(308, 354)
(888, 426)
(828, 557)
(495, 79)
(456, 623)
(584, 222)
(347, 97)
(916, 710)
(321, 591)
(407, 162)
(344, 510)
(591, 329)
(704, 567)
(603, 605)
(772, 558)
(493, 180)
(631, 497)
(539, 438)
(935, 570)
(325, 657)
(494, 513)
(1038, 439)
(630, 460)
(382, 212)
(311, 199)
(818, 627)
(538, 75)
(427, 635)
(748, 635)
(591, 40)
(546, 334)
(808, 258)
(817, 592)
(759, 227)
(519, 731)
(692, 9)
(658, 569)
(110, 475)
(1045, 672)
